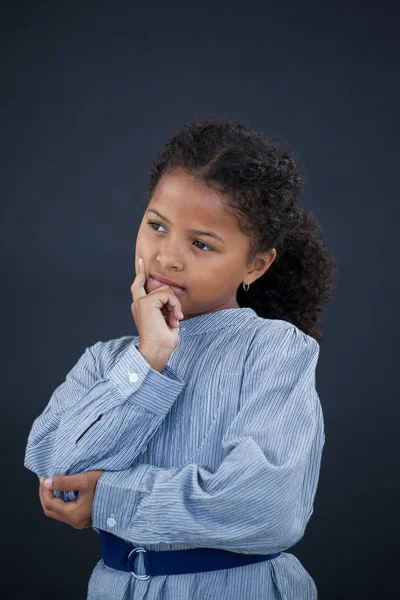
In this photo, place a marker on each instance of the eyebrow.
(198, 231)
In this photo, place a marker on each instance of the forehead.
(180, 196)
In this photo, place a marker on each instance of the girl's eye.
(151, 223)
(203, 244)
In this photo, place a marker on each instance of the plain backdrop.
(89, 92)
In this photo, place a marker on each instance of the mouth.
(157, 283)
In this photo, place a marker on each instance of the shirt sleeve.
(93, 422)
(260, 497)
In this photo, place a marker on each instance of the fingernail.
(181, 315)
(48, 483)
(140, 263)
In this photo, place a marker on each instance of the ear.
(260, 264)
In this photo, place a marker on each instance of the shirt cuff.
(115, 502)
(160, 390)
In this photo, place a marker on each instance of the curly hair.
(260, 183)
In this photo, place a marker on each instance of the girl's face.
(209, 268)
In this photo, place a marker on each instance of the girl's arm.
(98, 406)
(260, 497)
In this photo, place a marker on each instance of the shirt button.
(182, 328)
(111, 522)
(143, 450)
(133, 377)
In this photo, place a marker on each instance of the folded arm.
(93, 422)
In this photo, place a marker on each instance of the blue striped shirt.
(221, 449)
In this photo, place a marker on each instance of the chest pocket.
(197, 421)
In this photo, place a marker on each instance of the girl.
(194, 448)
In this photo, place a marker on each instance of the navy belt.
(120, 555)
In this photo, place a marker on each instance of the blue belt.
(120, 555)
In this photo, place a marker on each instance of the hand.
(77, 513)
(156, 314)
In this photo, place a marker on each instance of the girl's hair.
(260, 183)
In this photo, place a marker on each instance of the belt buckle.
(139, 549)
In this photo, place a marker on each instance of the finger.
(165, 299)
(78, 482)
(168, 313)
(171, 321)
(44, 495)
(170, 317)
(175, 307)
(137, 287)
(52, 515)
(48, 501)
(55, 508)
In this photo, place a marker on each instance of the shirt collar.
(216, 320)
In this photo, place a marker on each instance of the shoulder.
(106, 353)
(280, 338)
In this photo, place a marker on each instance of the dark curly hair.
(260, 182)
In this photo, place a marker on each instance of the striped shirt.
(221, 449)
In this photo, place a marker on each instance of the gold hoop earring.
(246, 289)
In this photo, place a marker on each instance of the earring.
(246, 289)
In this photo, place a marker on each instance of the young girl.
(200, 439)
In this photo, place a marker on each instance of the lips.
(158, 283)
(166, 281)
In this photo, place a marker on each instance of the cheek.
(140, 237)
(144, 250)
(141, 244)
(144, 241)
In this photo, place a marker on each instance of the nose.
(170, 256)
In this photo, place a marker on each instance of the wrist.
(156, 358)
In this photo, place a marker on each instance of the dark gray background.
(90, 91)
